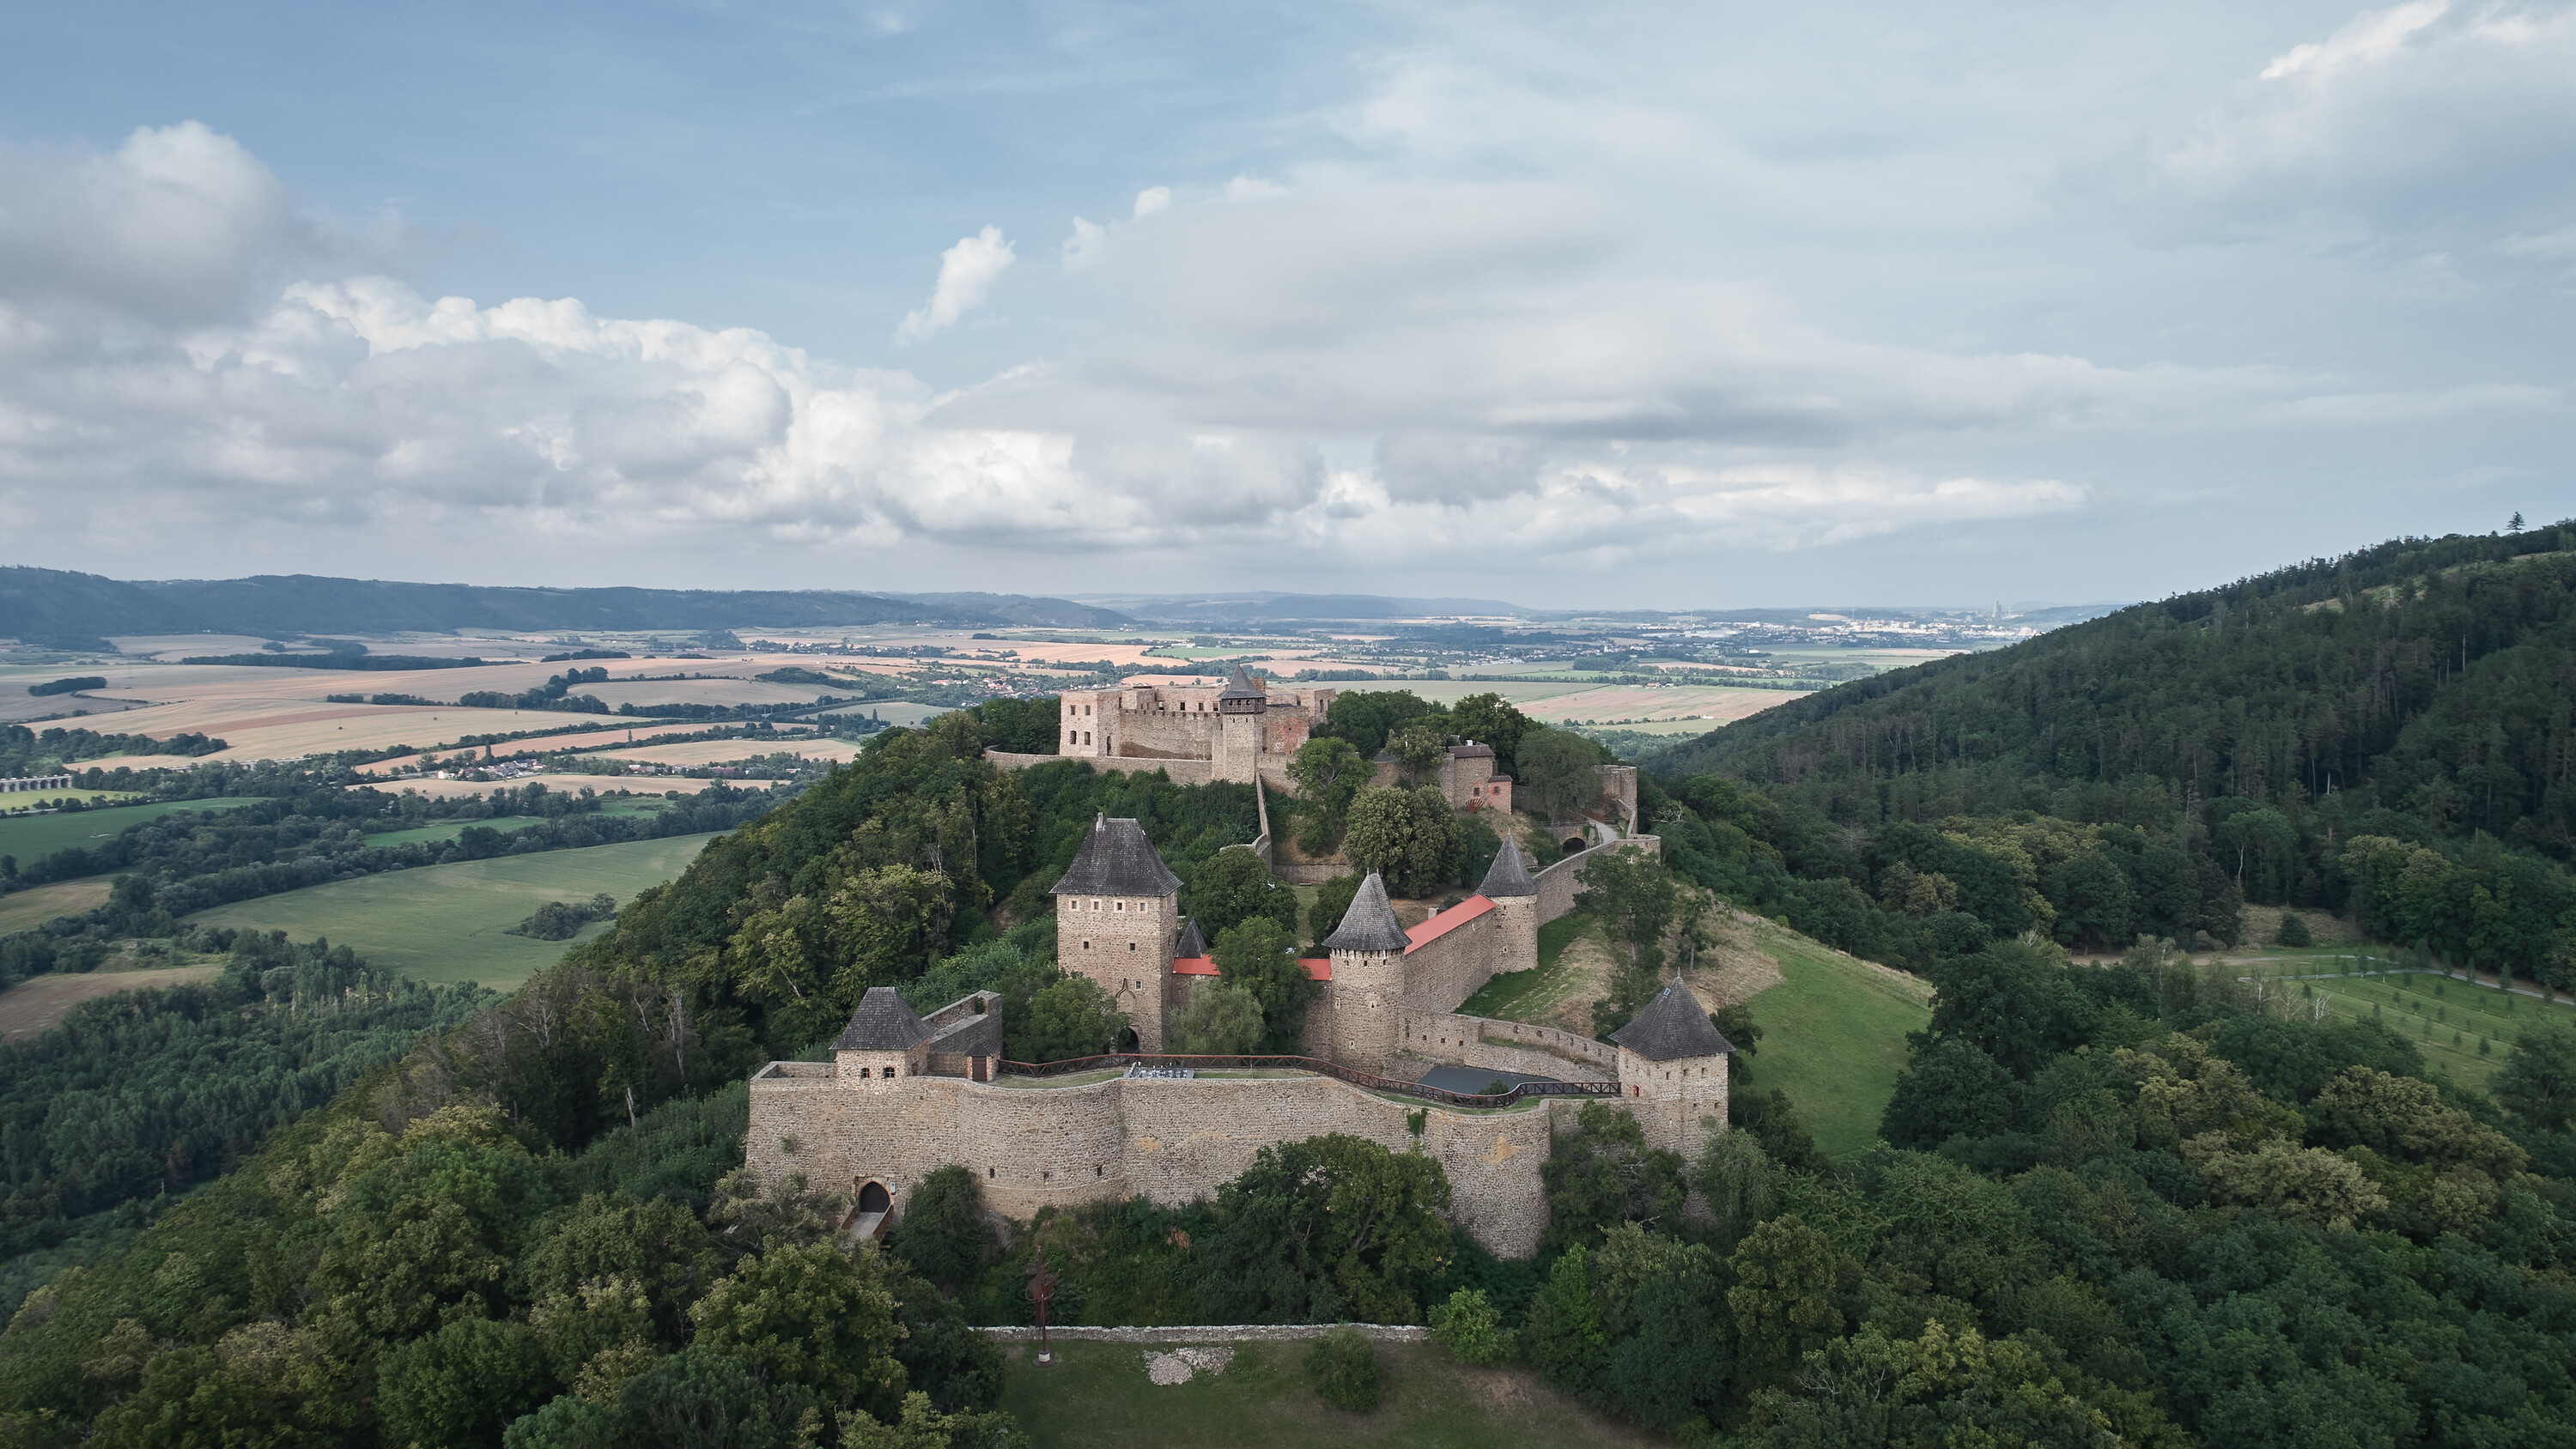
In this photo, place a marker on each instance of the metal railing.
(1367, 1080)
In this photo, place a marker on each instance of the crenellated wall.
(1171, 1141)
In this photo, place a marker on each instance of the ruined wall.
(1172, 1141)
(1557, 885)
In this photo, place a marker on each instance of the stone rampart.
(1171, 1141)
(1510, 1046)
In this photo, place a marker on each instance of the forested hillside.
(2387, 734)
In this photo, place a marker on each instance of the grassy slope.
(1834, 1035)
(448, 923)
(29, 837)
(1099, 1395)
(1834, 1027)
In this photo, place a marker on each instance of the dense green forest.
(2386, 735)
(146, 1094)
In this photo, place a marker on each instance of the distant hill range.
(79, 611)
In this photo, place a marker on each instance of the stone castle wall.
(1171, 1141)
(1510, 1046)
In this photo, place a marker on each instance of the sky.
(1653, 306)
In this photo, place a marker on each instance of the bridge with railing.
(1319, 1067)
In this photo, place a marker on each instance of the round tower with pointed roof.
(1117, 922)
(1514, 892)
(1368, 979)
(1672, 1068)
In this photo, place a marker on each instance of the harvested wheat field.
(34, 1005)
(655, 785)
(712, 752)
(1716, 705)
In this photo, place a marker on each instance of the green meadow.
(1097, 1396)
(1833, 1035)
(32, 837)
(450, 923)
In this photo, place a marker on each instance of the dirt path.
(35, 1005)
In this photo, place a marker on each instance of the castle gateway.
(906, 1094)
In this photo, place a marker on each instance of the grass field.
(32, 837)
(1098, 1395)
(449, 923)
(1833, 1035)
(1529, 995)
(25, 910)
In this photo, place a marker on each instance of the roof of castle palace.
(883, 1023)
(1471, 751)
(1239, 685)
(1672, 1027)
(1117, 860)
(1509, 875)
(1370, 924)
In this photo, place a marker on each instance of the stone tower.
(1117, 920)
(1242, 721)
(1672, 1069)
(1514, 892)
(1368, 980)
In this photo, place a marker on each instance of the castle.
(1246, 731)
(906, 1094)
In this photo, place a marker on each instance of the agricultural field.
(716, 751)
(2464, 1028)
(1098, 1396)
(25, 910)
(30, 837)
(445, 830)
(654, 787)
(448, 923)
(285, 729)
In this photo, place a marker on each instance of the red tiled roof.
(1318, 968)
(1445, 922)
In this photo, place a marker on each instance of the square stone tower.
(1117, 920)
(1242, 720)
(1368, 980)
(1672, 1069)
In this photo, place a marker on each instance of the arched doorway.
(1127, 1040)
(873, 1197)
(1574, 843)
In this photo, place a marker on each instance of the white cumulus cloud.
(967, 272)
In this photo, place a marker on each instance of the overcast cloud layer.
(1651, 307)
